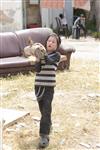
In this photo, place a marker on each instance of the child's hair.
(57, 38)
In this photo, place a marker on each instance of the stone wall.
(11, 17)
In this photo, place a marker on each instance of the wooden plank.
(9, 116)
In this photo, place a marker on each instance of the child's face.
(51, 44)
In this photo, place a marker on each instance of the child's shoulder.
(58, 54)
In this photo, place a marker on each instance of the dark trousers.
(65, 30)
(45, 107)
(77, 32)
(84, 30)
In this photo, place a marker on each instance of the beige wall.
(11, 17)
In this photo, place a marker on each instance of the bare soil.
(75, 112)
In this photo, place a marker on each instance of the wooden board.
(9, 116)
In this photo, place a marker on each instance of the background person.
(64, 24)
(79, 24)
(83, 24)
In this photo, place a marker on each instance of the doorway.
(31, 14)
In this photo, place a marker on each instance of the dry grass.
(75, 113)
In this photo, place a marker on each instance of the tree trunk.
(95, 12)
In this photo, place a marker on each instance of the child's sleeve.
(37, 66)
(53, 58)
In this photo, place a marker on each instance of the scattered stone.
(11, 116)
(85, 145)
(98, 145)
(30, 95)
(77, 124)
(92, 95)
(62, 142)
(98, 95)
(36, 118)
(56, 125)
(37, 124)
(6, 147)
(21, 107)
(84, 98)
(2, 121)
(2, 94)
(10, 130)
(21, 125)
(98, 113)
(74, 115)
(60, 93)
(14, 89)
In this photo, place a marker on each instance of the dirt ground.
(75, 123)
(75, 112)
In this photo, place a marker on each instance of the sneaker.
(44, 141)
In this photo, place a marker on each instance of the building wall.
(48, 15)
(32, 14)
(69, 12)
(11, 17)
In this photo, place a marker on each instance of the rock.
(21, 125)
(30, 95)
(74, 115)
(98, 95)
(6, 147)
(20, 107)
(98, 113)
(62, 142)
(98, 145)
(56, 127)
(10, 130)
(77, 124)
(92, 95)
(83, 98)
(85, 145)
(36, 118)
(3, 94)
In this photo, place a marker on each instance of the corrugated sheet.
(82, 4)
(52, 3)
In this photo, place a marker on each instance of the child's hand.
(32, 60)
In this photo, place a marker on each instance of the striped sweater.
(46, 73)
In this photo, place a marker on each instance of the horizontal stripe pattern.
(46, 77)
(45, 84)
(49, 67)
(46, 72)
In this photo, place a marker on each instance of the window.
(34, 1)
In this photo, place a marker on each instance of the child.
(44, 86)
(79, 24)
(64, 24)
